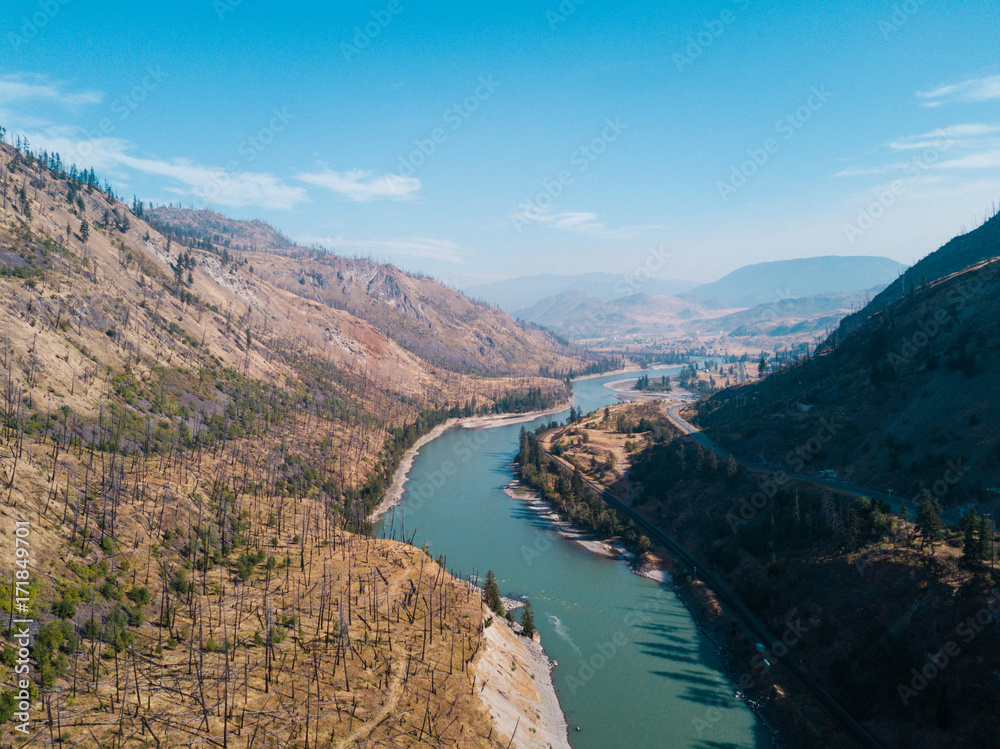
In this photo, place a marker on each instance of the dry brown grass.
(379, 653)
(378, 640)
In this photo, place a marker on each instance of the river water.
(634, 670)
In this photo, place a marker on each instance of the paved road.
(729, 599)
(951, 515)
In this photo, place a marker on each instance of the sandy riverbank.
(624, 388)
(633, 368)
(650, 565)
(394, 494)
(566, 529)
(514, 681)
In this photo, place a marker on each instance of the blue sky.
(476, 143)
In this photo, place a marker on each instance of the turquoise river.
(633, 668)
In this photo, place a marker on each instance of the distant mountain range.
(525, 291)
(764, 283)
(576, 315)
(792, 299)
(910, 380)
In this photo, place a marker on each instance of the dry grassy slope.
(92, 308)
(371, 643)
(902, 392)
(430, 319)
(89, 285)
(244, 236)
(97, 327)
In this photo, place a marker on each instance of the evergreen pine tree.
(971, 525)
(986, 532)
(929, 521)
(527, 621)
(492, 593)
(731, 468)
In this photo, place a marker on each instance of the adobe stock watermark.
(938, 490)
(605, 652)
(930, 327)
(561, 14)
(706, 36)
(769, 487)
(454, 117)
(365, 34)
(31, 26)
(631, 284)
(223, 8)
(472, 443)
(764, 659)
(800, 456)
(21, 626)
(965, 632)
(787, 127)
(122, 108)
(901, 15)
(580, 161)
(249, 148)
(885, 198)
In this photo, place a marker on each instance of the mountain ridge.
(525, 291)
(762, 283)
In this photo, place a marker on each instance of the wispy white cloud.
(581, 222)
(967, 146)
(872, 171)
(202, 184)
(965, 135)
(971, 90)
(362, 186)
(442, 250)
(981, 160)
(14, 88)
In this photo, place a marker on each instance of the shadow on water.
(534, 519)
(667, 652)
(711, 698)
(693, 678)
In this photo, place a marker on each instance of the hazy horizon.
(473, 143)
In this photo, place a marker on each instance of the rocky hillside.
(190, 445)
(430, 320)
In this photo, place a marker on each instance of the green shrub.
(64, 609)
(139, 596)
(110, 591)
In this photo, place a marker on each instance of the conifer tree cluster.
(492, 593)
